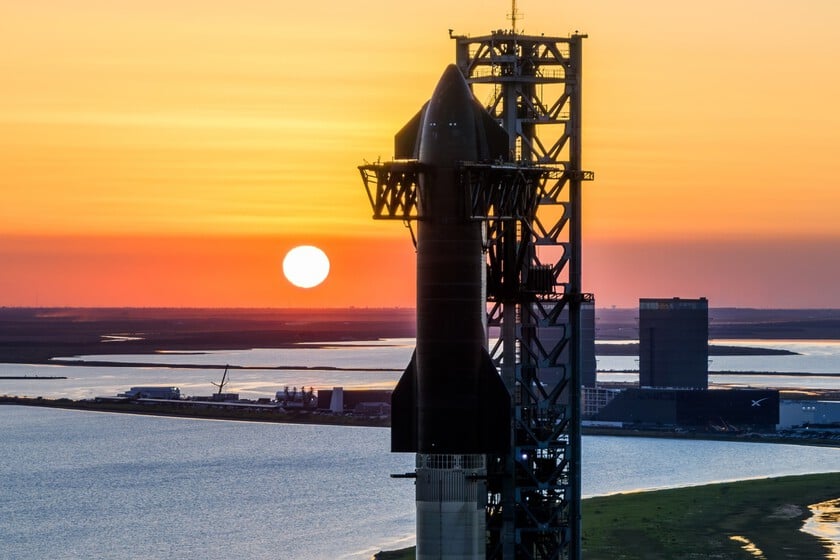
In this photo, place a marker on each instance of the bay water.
(79, 484)
(96, 485)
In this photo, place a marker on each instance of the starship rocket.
(450, 405)
(450, 398)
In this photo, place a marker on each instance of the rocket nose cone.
(449, 131)
(451, 84)
(451, 73)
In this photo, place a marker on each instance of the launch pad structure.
(531, 209)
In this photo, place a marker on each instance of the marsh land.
(731, 521)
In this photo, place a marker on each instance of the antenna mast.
(514, 13)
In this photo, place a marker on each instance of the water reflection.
(749, 546)
(825, 524)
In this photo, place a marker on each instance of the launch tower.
(532, 85)
(530, 205)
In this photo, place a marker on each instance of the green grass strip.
(749, 520)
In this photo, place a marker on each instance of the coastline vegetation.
(728, 521)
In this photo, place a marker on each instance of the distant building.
(808, 413)
(172, 393)
(373, 409)
(674, 343)
(352, 398)
(295, 398)
(587, 341)
(594, 399)
(716, 410)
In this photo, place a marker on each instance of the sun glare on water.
(306, 266)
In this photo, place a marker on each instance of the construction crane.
(223, 382)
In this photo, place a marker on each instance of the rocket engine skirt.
(451, 496)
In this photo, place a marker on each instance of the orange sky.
(169, 153)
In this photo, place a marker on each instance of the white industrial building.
(803, 413)
(169, 393)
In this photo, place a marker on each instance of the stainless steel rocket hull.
(450, 398)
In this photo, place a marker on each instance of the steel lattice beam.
(534, 502)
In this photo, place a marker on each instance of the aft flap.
(493, 140)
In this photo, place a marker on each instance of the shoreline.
(32, 377)
(188, 409)
(209, 411)
(98, 363)
(203, 349)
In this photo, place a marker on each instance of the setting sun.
(306, 266)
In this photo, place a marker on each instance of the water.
(825, 524)
(95, 485)
(374, 365)
(93, 381)
(818, 358)
(813, 356)
(777, 381)
(371, 365)
(345, 355)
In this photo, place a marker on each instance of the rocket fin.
(478, 422)
(407, 140)
(404, 410)
(495, 413)
(494, 142)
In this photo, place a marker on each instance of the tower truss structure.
(531, 206)
(532, 85)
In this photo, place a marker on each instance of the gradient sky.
(170, 153)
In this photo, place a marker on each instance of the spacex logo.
(757, 404)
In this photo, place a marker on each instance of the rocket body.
(450, 405)
(451, 398)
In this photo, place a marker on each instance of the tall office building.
(588, 365)
(674, 343)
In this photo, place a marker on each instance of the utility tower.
(530, 205)
(532, 85)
